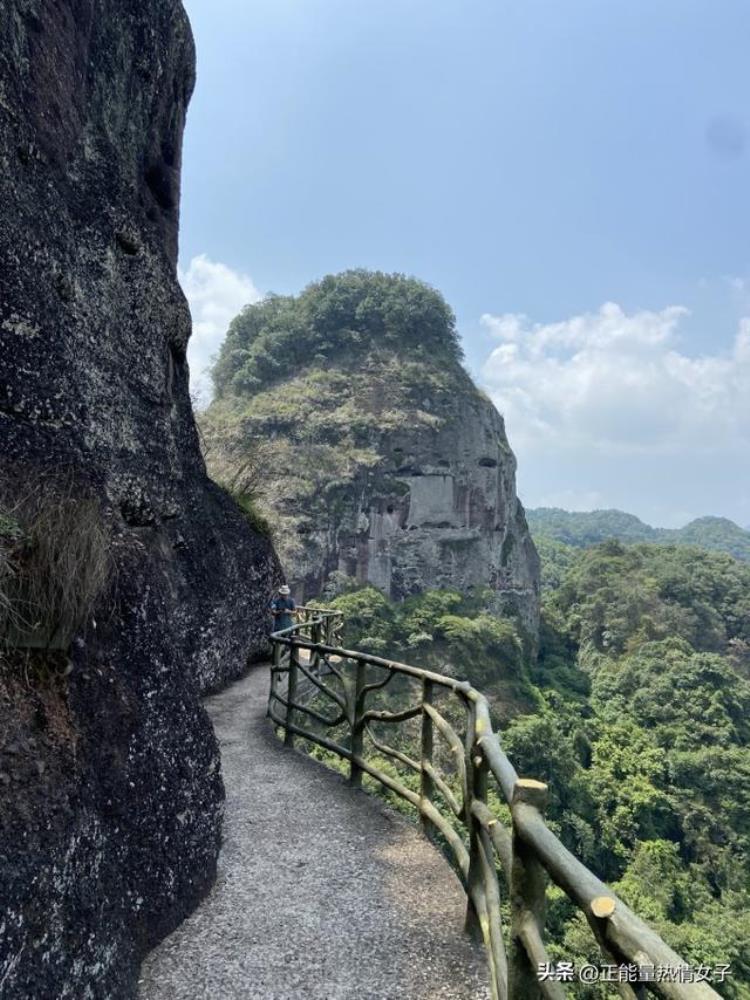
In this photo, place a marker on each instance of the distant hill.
(583, 528)
(714, 533)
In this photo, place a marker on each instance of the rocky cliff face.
(383, 463)
(439, 510)
(110, 791)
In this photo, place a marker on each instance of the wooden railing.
(458, 762)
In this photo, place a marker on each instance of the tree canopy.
(344, 315)
(651, 765)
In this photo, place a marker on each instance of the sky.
(573, 177)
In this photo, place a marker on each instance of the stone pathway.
(322, 894)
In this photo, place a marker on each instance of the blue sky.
(572, 176)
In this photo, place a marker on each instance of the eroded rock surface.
(110, 791)
(440, 511)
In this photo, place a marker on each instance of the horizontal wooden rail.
(526, 852)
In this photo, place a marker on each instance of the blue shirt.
(280, 608)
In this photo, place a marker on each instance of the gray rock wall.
(455, 522)
(439, 510)
(110, 790)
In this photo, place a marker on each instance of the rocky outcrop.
(382, 462)
(110, 790)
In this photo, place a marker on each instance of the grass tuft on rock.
(56, 558)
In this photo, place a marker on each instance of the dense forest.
(637, 714)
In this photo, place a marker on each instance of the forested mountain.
(581, 528)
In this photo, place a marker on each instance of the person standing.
(282, 609)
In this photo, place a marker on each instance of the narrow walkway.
(322, 894)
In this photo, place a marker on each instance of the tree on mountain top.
(342, 314)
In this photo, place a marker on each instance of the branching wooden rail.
(526, 854)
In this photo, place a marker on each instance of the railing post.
(601, 909)
(528, 884)
(273, 686)
(315, 636)
(476, 788)
(334, 625)
(358, 735)
(291, 694)
(427, 785)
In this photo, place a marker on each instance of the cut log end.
(530, 791)
(531, 783)
(603, 907)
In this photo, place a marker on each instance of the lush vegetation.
(637, 714)
(583, 528)
(447, 632)
(341, 315)
(652, 763)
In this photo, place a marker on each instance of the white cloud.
(216, 294)
(736, 283)
(611, 382)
